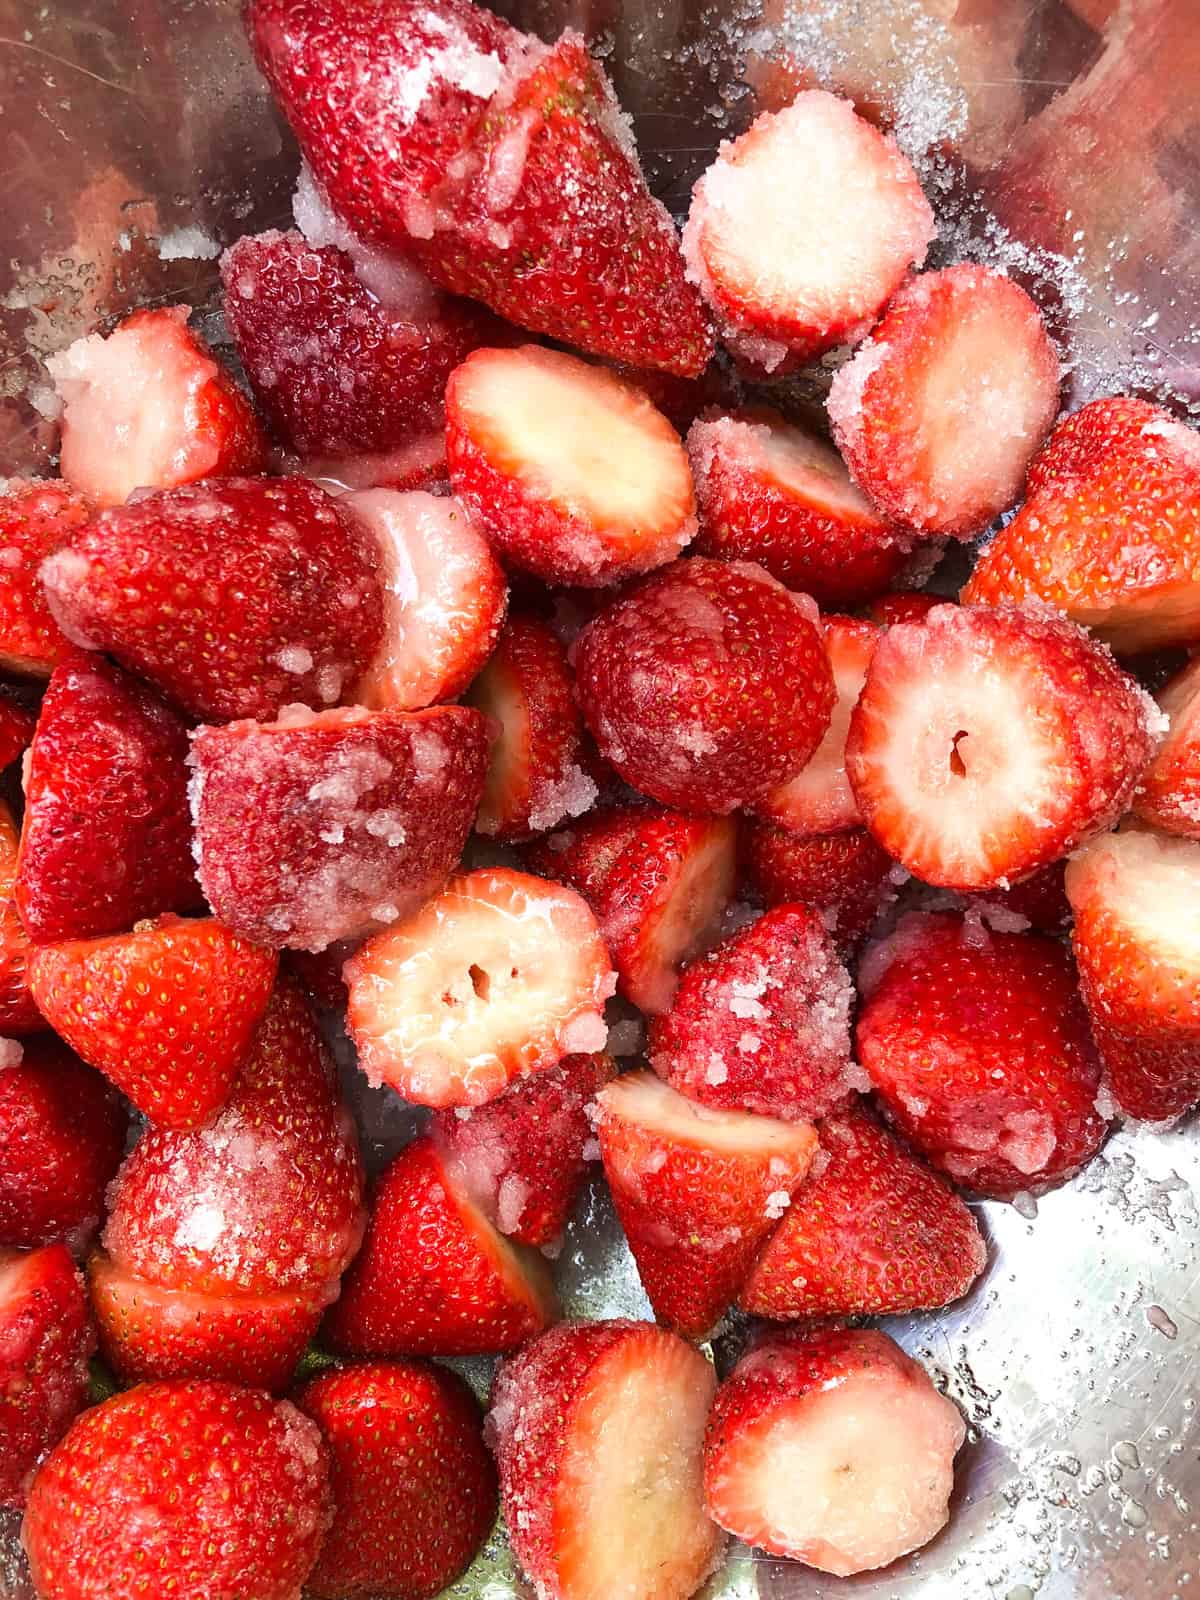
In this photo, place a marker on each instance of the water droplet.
(1134, 1514)
(1126, 1453)
(1161, 1322)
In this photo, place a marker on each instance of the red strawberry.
(1110, 531)
(845, 876)
(18, 1011)
(939, 414)
(434, 1277)
(986, 744)
(147, 407)
(832, 1448)
(36, 519)
(166, 1012)
(1168, 796)
(419, 464)
(498, 977)
(786, 279)
(444, 599)
(106, 764)
(903, 605)
(331, 825)
(504, 166)
(707, 685)
(195, 1489)
(697, 1192)
(1039, 901)
(978, 1044)
(16, 728)
(45, 1340)
(414, 1488)
(523, 1158)
(597, 1429)
(62, 1134)
(533, 441)
(290, 576)
(681, 400)
(871, 1232)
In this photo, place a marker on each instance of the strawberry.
(1110, 529)
(978, 1044)
(37, 517)
(444, 599)
(45, 1340)
(414, 1488)
(434, 1277)
(166, 1012)
(771, 493)
(707, 685)
(902, 605)
(657, 882)
(498, 977)
(597, 1429)
(871, 1232)
(62, 1133)
(832, 1448)
(1168, 796)
(320, 972)
(523, 1157)
(681, 400)
(532, 439)
(940, 412)
(697, 1192)
(291, 577)
(16, 728)
(845, 876)
(987, 744)
(201, 1490)
(107, 763)
(418, 464)
(147, 407)
(788, 265)
(331, 825)
(503, 166)
(18, 1011)
(1039, 901)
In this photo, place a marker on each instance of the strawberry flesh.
(1168, 797)
(19, 1013)
(37, 517)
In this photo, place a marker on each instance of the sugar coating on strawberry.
(332, 825)
(147, 407)
(988, 743)
(292, 578)
(1168, 796)
(845, 875)
(37, 517)
(19, 1013)
(802, 229)
(203, 1489)
(707, 685)
(940, 412)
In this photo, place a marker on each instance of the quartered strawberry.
(45, 1340)
(872, 1232)
(166, 1012)
(444, 599)
(414, 1488)
(37, 517)
(106, 838)
(434, 1277)
(902, 605)
(576, 476)
(597, 1428)
(330, 825)
(790, 267)
(191, 1489)
(233, 597)
(697, 1192)
(832, 1448)
(845, 876)
(498, 977)
(16, 729)
(523, 1157)
(707, 685)
(987, 744)
(939, 414)
(1168, 797)
(505, 167)
(978, 1044)
(1110, 529)
(147, 407)
(19, 1013)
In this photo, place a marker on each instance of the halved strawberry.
(166, 1012)
(19, 1013)
(845, 876)
(697, 1191)
(1168, 796)
(37, 517)
(575, 474)
(499, 976)
(680, 399)
(941, 411)
(986, 744)
(597, 1429)
(433, 1276)
(802, 229)
(902, 605)
(16, 728)
(832, 1448)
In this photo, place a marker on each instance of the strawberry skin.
(18, 1011)
(1168, 797)
(845, 876)
(37, 517)
(902, 605)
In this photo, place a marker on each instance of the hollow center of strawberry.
(957, 765)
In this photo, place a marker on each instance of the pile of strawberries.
(506, 652)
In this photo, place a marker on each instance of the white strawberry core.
(645, 1101)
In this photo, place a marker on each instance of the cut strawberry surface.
(499, 976)
(598, 1430)
(697, 1191)
(37, 517)
(845, 876)
(19, 1013)
(987, 744)
(575, 474)
(1168, 797)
